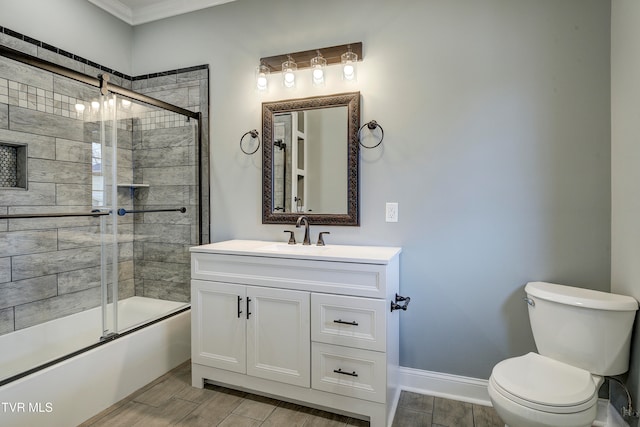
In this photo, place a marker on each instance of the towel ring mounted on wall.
(372, 126)
(254, 135)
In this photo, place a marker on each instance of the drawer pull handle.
(343, 322)
(239, 309)
(340, 371)
(248, 312)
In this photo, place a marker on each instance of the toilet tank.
(582, 327)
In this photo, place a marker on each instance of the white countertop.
(340, 253)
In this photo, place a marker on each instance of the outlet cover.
(391, 212)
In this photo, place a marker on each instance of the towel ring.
(254, 135)
(372, 125)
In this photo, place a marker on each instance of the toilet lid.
(538, 381)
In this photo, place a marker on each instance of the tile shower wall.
(50, 267)
(165, 156)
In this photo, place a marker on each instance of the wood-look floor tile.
(234, 420)
(256, 407)
(217, 407)
(126, 416)
(405, 417)
(452, 413)
(170, 413)
(486, 416)
(160, 393)
(416, 401)
(287, 414)
(318, 418)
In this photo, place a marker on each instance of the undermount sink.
(297, 248)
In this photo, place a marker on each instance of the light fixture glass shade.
(289, 69)
(349, 60)
(318, 65)
(262, 78)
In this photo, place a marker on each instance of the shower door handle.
(239, 309)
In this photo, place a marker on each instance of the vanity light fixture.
(318, 64)
(349, 60)
(289, 68)
(347, 55)
(262, 77)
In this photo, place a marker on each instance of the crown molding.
(153, 11)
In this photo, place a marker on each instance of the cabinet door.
(278, 335)
(218, 333)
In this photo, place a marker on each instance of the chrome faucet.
(301, 219)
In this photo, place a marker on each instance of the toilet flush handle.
(529, 301)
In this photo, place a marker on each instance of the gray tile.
(486, 416)
(31, 121)
(4, 116)
(38, 146)
(166, 252)
(52, 308)
(26, 291)
(38, 194)
(34, 265)
(73, 195)
(73, 151)
(27, 242)
(6, 320)
(170, 137)
(159, 233)
(42, 170)
(5, 269)
(177, 175)
(405, 417)
(452, 413)
(78, 280)
(19, 72)
(19, 45)
(78, 237)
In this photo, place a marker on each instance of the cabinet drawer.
(348, 321)
(349, 371)
(368, 280)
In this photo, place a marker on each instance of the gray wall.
(625, 174)
(496, 147)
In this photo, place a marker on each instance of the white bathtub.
(77, 388)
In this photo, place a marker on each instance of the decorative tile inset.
(8, 166)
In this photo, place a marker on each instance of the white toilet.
(581, 335)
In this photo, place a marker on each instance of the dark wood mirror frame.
(352, 101)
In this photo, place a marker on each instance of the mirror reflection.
(310, 159)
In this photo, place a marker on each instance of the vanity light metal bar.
(303, 59)
(123, 211)
(53, 215)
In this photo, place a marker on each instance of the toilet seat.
(544, 384)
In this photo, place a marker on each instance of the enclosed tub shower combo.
(100, 199)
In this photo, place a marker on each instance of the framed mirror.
(310, 160)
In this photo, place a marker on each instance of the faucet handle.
(292, 238)
(321, 239)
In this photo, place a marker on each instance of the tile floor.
(171, 401)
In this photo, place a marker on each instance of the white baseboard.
(474, 390)
(456, 387)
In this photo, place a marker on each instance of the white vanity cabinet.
(310, 325)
